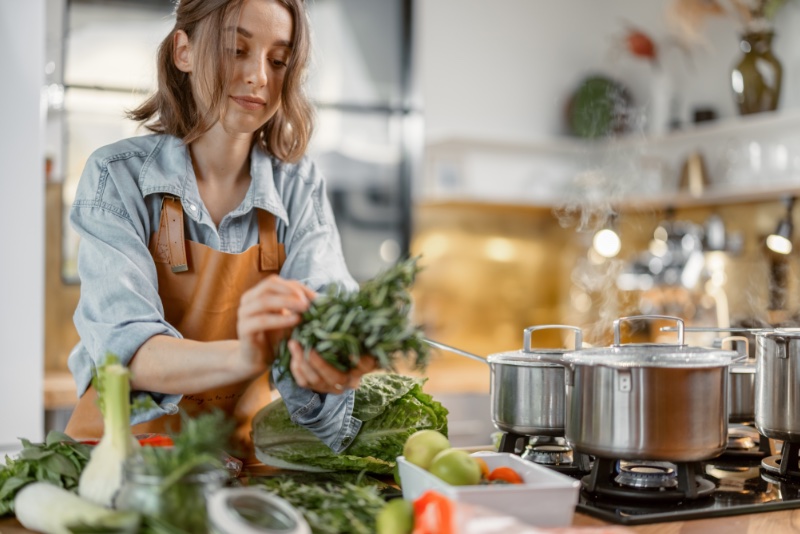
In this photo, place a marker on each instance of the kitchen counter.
(767, 522)
(762, 523)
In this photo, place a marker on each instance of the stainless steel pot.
(741, 382)
(526, 386)
(648, 401)
(778, 384)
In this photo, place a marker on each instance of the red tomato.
(434, 514)
(640, 45)
(506, 474)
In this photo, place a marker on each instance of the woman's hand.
(267, 313)
(316, 374)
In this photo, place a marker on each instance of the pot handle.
(531, 329)
(617, 322)
(741, 356)
(454, 350)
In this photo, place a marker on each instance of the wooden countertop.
(762, 523)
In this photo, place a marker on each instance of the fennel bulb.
(44, 507)
(101, 479)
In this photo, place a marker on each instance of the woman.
(202, 244)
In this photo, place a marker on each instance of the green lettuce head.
(391, 408)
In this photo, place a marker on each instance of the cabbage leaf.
(391, 408)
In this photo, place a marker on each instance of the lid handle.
(531, 329)
(617, 323)
(742, 355)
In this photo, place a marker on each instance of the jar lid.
(253, 510)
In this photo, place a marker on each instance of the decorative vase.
(756, 79)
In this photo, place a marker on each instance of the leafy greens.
(391, 408)
(373, 320)
(59, 460)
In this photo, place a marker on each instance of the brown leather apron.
(200, 289)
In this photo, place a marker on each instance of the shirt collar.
(168, 169)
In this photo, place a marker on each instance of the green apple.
(396, 517)
(421, 446)
(456, 467)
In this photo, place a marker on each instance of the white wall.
(22, 41)
(505, 68)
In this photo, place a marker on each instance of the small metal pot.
(527, 386)
(648, 401)
(741, 382)
(778, 384)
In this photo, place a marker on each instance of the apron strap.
(170, 234)
(268, 242)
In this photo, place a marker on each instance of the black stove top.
(738, 482)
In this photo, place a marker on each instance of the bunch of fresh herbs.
(371, 321)
(197, 450)
(59, 460)
(349, 507)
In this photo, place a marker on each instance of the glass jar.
(253, 510)
(756, 78)
(181, 503)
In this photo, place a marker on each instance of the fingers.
(274, 304)
(318, 375)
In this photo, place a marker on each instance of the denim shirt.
(117, 208)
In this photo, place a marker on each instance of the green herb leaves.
(331, 508)
(59, 460)
(372, 321)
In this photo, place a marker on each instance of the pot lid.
(652, 355)
(538, 358)
(678, 355)
(744, 368)
(781, 332)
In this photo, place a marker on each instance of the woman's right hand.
(267, 313)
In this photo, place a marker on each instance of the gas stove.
(640, 492)
(550, 451)
(745, 479)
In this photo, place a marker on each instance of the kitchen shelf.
(753, 158)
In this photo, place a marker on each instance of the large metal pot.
(741, 375)
(778, 384)
(527, 386)
(648, 401)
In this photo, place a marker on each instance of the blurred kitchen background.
(553, 162)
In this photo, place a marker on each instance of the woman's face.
(261, 55)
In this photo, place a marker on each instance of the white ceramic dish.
(545, 499)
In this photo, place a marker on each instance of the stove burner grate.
(603, 482)
(786, 465)
(647, 475)
(548, 454)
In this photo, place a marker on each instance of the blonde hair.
(172, 109)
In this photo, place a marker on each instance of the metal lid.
(540, 358)
(634, 355)
(537, 357)
(652, 355)
(781, 332)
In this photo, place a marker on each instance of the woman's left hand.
(316, 374)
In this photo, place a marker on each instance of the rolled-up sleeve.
(119, 307)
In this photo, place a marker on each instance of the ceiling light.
(606, 242)
(780, 241)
